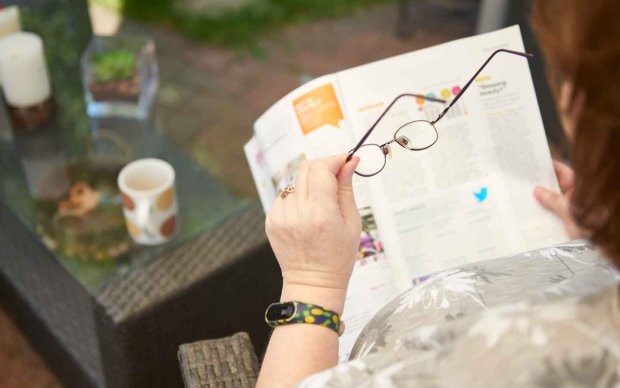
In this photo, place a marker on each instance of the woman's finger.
(565, 174)
(289, 208)
(551, 201)
(322, 188)
(301, 182)
(274, 216)
(334, 163)
(558, 205)
(322, 181)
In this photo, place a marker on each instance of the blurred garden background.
(224, 62)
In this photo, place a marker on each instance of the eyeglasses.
(416, 135)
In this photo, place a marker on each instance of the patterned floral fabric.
(546, 318)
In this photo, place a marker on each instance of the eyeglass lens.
(372, 160)
(416, 135)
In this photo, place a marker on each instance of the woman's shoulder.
(569, 341)
(542, 275)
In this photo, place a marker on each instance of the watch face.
(280, 311)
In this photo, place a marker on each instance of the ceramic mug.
(149, 200)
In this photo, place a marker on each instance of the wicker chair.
(225, 362)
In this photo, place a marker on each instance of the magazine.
(465, 199)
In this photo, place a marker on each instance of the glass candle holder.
(120, 76)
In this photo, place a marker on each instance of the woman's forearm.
(314, 229)
(299, 350)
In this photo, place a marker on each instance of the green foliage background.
(239, 26)
(64, 26)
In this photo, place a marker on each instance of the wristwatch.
(286, 313)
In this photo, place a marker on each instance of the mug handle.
(143, 211)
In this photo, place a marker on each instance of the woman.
(568, 334)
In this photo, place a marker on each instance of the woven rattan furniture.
(120, 323)
(225, 362)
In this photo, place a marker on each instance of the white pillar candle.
(23, 70)
(10, 20)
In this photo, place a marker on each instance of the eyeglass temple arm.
(527, 55)
(363, 139)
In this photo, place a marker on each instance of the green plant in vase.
(115, 76)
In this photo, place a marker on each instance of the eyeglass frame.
(432, 123)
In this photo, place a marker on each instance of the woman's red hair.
(581, 43)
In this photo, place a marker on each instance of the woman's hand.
(315, 234)
(315, 231)
(559, 203)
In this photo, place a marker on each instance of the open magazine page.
(260, 173)
(468, 197)
(309, 123)
(371, 285)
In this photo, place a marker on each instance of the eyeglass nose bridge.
(386, 149)
(403, 141)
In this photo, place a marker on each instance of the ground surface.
(211, 96)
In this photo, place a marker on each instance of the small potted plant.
(120, 76)
(116, 76)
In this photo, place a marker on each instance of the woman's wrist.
(327, 297)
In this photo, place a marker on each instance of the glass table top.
(95, 247)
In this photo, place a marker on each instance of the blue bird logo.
(481, 195)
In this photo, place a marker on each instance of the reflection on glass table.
(82, 222)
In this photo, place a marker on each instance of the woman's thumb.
(346, 197)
